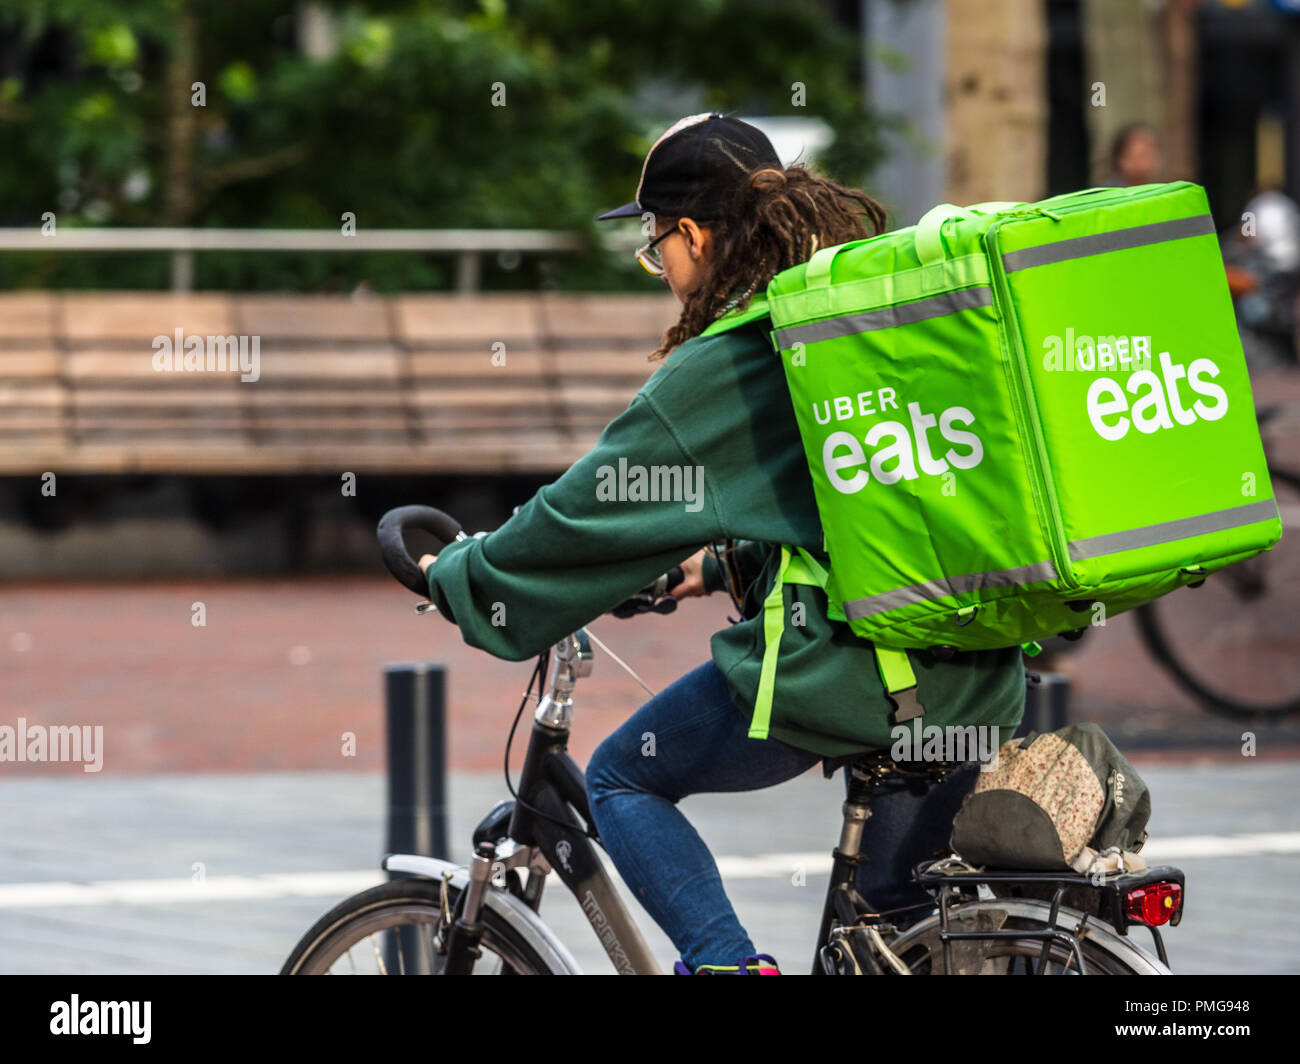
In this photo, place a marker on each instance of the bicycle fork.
(462, 931)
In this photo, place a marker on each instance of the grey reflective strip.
(886, 317)
(1134, 237)
(1168, 531)
(950, 585)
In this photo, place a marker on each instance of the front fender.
(517, 916)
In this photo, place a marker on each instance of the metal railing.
(468, 245)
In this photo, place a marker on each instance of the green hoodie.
(718, 416)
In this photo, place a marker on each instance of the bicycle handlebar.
(392, 544)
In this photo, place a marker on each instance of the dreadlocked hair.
(775, 220)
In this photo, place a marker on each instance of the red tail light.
(1154, 904)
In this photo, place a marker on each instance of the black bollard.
(417, 794)
(417, 759)
(1046, 705)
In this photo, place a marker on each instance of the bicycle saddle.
(878, 767)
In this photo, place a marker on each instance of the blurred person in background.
(1262, 257)
(1135, 156)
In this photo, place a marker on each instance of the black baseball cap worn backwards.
(697, 163)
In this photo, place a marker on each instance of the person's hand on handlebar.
(427, 560)
(692, 577)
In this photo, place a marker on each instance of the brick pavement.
(283, 668)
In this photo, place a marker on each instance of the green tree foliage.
(391, 117)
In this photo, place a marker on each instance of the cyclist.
(726, 217)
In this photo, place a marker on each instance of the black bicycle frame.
(552, 782)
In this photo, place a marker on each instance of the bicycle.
(1235, 653)
(484, 918)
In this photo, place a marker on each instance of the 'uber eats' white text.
(900, 451)
(1158, 402)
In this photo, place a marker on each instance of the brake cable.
(618, 661)
(539, 674)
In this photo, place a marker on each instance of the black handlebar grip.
(673, 577)
(392, 545)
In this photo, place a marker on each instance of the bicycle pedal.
(835, 962)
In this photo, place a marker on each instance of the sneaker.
(751, 965)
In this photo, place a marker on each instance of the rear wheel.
(393, 929)
(1103, 952)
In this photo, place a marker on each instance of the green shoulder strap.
(800, 567)
(773, 626)
(757, 308)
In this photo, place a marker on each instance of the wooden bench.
(518, 382)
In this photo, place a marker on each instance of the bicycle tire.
(1158, 646)
(1104, 951)
(1222, 703)
(354, 919)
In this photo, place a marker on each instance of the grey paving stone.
(1240, 916)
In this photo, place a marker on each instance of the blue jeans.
(701, 747)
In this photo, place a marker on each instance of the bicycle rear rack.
(1104, 900)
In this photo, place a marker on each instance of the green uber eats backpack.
(1061, 800)
(1020, 419)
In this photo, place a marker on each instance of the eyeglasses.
(650, 257)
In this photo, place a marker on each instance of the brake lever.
(642, 602)
(422, 608)
(654, 598)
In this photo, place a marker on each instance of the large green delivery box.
(1022, 418)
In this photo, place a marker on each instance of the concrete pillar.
(903, 50)
(995, 88)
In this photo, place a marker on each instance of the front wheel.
(393, 929)
(1102, 950)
